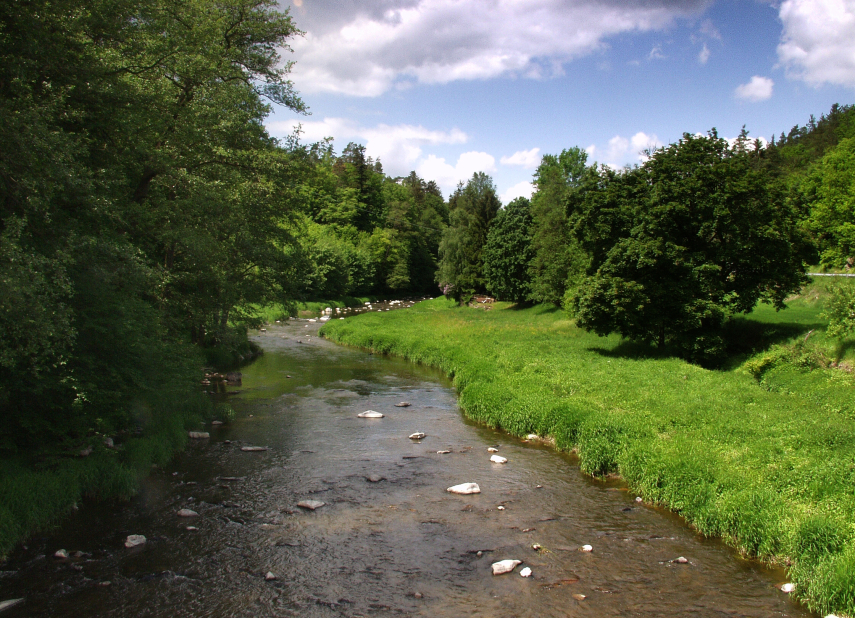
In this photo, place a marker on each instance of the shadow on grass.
(742, 337)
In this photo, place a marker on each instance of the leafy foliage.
(695, 234)
(508, 252)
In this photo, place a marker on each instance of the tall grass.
(759, 453)
(36, 493)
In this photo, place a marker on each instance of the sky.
(447, 88)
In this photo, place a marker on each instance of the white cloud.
(521, 189)
(447, 176)
(704, 54)
(656, 53)
(528, 159)
(398, 147)
(818, 42)
(758, 89)
(591, 150)
(367, 47)
(641, 143)
(617, 149)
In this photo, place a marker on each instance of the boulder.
(465, 489)
(505, 566)
(134, 540)
(498, 459)
(311, 504)
(370, 414)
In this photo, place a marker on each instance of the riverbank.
(759, 453)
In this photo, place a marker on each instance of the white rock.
(505, 566)
(191, 528)
(325, 318)
(270, 576)
(216, 422)
(311, 504)
(681, 560)
(788, 588)
(639, 499)
(532, 436)
(498, 459)
(312, 320)
(465, 489)
(134, 540)
(253, 449)
(525, 572)
(586, 548)
(60, 553)
(187, 513)
(198, 435)
(4, 605)
(417, 436)
(443, 452)
(403, 404)
(492, 449)
(370, 414)
(500, 508)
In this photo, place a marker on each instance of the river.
(389, 540)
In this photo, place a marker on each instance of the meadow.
(759, 452)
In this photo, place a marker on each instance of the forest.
(146, 216)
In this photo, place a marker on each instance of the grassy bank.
(761, 453)
(38, 489)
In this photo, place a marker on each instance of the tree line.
(146, 213)
(666, 251)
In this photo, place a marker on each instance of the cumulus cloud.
(367, 47)
(521, 189)
(622, 151)
(447, 176)
(704, 54)
(397, 146)
(818, 41)
(758, 89)
(642, 143)
(528, 159)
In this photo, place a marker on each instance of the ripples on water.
(399, 546)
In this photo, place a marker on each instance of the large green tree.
(471, 211)
(508, 253)
(697, 233)
(556, 255)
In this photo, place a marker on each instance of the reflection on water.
(389, 540)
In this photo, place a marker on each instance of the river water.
(390, 540)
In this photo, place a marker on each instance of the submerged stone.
(465, 489)
(505, 566)
(134, 540)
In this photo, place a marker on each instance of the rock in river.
(505, 566)
(375, 478)
(253, 449)
(498, 459)
(465, 489)
(586, 548)
(187, 513)
(134, 540)
(492, 449)
(417, 436)
(403, 404)
(526, 572)
(270, 576)
(198, 435)
(311, 504)
(60, 553)
(4, 605)
(370, 414)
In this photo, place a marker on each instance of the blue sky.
(450, 87)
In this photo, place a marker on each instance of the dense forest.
(146, 215)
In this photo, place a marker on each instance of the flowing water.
(389, 540)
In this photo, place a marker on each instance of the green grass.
(760, 453)
(38, 491)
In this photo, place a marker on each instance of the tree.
(508, 253)
(830, 191)
(556, 254)
(471, 211)
(697, 233)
